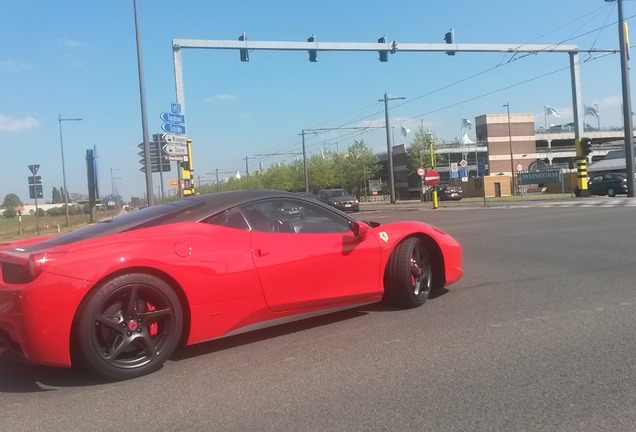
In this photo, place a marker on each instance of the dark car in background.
(340, 199)
(449, 192)
(609, 184)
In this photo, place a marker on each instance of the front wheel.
(611, 192)
(409, 276)
(128, 327)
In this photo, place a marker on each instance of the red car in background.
(120, 296)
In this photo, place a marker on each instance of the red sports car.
(118, 297)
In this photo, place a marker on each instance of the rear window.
(177, 211)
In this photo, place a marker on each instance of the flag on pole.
(551, 111)
(238, 175)
(467, 123)
(590, 110)
(405, 131)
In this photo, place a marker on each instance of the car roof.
(189, 209)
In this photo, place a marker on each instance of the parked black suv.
(340, 199)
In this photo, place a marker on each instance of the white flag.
(551, 111)
(405, 131)
(467, 123)
(590, 110)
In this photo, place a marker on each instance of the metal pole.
(247, 173)
(158, 138)
(389, 145)
(627, 103)
(144, 117)
(305, 163)
(512, 168)
(65, 194)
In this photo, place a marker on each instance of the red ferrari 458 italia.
(119, 296)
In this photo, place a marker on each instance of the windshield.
(337, 193)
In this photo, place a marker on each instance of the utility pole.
(389, 144)
(60, 120)
(512, 162)
(150, 198)
(303, 132)
(247, 172)
(627, 101)
(113, 189)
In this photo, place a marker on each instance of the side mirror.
(359, 229)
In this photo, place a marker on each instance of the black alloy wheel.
(129, 326)
(409, 276)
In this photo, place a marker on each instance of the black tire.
(611, 192)
(128, 327)
(409, 276)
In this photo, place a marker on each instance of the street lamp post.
(65, 194)
(389, 144)
(627, 101)
(512, 162)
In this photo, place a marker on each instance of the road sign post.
(432, 178)
(35, 192)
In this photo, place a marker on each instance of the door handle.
(261, 253)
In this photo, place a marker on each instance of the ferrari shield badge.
(384, 236)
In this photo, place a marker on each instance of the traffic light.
(187, 175)
(449, 37)
(384, 54)
(313, 54)
(245, 55)
(158, 161)
(587, 148)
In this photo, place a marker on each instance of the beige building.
(505, 136)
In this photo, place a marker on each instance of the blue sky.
(78, 58)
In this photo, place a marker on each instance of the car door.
(311, 259)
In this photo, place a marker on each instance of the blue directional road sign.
(172, 118)
(175, 107)
(174, 128)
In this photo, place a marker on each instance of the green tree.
(321, 172)
(57, 196)
(355, 168)
(419, 152)
(11, 201)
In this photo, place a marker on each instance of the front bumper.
(347, 207)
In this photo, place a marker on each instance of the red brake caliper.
(153, 329)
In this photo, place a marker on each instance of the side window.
(231, 218)
(293, 216)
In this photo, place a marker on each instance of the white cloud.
(226, 97)
(71, 45)
(8, 124)
(14, 66)
(72, 49)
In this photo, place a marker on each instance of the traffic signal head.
(449, 37)
(245, 55)
(313, 54)
(587, 148)
(384, 54)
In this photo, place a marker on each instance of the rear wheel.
(409, 276)
(128, 327)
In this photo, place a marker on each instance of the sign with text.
(533, 177)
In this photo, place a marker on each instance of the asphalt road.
(537, 336)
